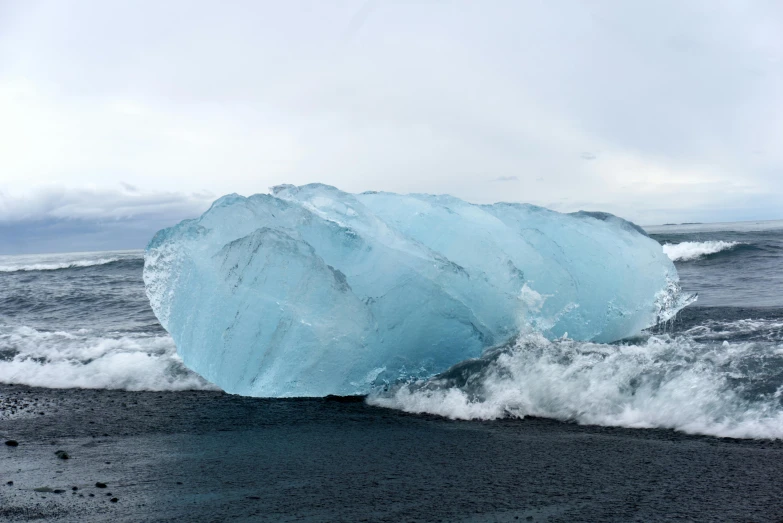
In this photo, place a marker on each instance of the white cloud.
(675, 105)
(45, 138)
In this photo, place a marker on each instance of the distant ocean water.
(83, 320)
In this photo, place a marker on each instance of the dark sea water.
(83, 320)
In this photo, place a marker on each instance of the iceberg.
(310, 291)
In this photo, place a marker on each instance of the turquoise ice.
(312, 291)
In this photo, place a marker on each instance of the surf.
(58, 262)
(694, 250)
(93, 360)
(695, 382)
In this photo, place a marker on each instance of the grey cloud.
(57, 219)
(128, 187)
(66, 203)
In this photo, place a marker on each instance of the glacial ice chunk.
(312, 291)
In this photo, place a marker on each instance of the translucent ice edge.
(313, 291)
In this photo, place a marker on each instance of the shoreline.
(210, 456)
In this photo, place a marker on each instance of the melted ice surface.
(313, 291)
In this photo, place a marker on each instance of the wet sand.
(209, 456)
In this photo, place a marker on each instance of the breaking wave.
(82, 359)
(57, 262)
(693, 382)
(688, 251)
(56, 266)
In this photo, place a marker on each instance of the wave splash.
(56, 262)
(56, 266)
(82, 359)
(689, 383)
(689, 251)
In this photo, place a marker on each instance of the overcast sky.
(144, 112)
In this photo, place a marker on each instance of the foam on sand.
(689, 383)
(84, 359)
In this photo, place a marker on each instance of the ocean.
(682, 422)
(82, 320)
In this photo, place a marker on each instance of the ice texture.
(310, 291)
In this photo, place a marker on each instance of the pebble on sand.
(62, 454)
(100, 485)
(12, 443)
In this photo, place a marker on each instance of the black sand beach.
(208, 456)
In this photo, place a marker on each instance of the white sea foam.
(83, 359)
(756, 330)
(56, 266)
(687, 251)
(667, 382)
(53, 262)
